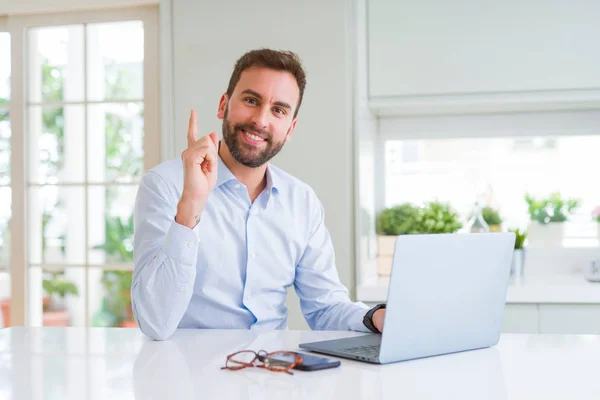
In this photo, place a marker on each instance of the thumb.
(215, 139)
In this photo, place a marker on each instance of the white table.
(120, 363)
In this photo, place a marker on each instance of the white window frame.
(18, 26)
(566, 122)
(4, 29)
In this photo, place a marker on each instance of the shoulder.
(293, 185)
(165, 176)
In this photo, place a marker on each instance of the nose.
(260, 118)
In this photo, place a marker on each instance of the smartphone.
(312, 362)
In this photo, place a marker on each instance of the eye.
(250, 100)
(279, 110)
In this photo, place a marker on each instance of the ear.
(291, 130)
(222, 106)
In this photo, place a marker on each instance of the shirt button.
(253, 256)
(182, 289)
(189, 244)
(237, 186)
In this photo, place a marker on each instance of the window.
(5, 189)
(89, 86)
(498, 172)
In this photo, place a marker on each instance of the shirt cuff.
(181, 243)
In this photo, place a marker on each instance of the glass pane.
(4, 299)
(4, 68)
(57, 144)
(56, 64)
(116, 61)
(56, 228)
(57, 296)
(115, 142)
(5, 214)
(499, 172)
(4, 147)
(110, 298)
(110, 225)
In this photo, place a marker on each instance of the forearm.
(163, 282)
(340, 316)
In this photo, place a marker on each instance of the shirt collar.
(224, 175)
(274, 181)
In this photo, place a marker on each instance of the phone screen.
(310, 362)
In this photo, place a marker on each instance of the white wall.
(434, 47)
(366, 165)
(11, 7)
(209, 36)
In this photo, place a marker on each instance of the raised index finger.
(192, 135)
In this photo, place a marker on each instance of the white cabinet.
(581, 319)
(570, 318)
(552, 318)
(521, 318)
(422, 49)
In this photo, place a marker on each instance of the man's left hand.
(378, 318)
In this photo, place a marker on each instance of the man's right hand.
(200, 174)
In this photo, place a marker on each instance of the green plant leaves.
(551, 209)
(406, 219)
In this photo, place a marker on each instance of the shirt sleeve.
(323, 299)
(165, 256)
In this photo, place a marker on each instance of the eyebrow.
(258, 96)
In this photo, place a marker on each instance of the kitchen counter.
(550, 289)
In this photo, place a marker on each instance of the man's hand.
(200, 174)
(378, 318)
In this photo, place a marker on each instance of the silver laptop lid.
(446, 294)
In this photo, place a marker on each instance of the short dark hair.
(272, 59)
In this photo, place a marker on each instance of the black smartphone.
(311, 362)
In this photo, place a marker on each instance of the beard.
(245, 153)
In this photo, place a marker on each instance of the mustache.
(248, 127)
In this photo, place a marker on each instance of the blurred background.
(418, 117)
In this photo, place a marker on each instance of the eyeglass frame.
(263, 356)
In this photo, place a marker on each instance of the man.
(220, 234)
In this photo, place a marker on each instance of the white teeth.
(253, 137)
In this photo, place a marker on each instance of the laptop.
(446, 294)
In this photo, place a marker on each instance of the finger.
(207, 140)
(192, 135)
(210, 160)
(215, 139)
(200, 156)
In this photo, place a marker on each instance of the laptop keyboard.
(365, 351)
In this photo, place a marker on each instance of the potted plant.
(117, 284)
(492, 217)
(547, 218)
(56, 289)
(596, 217)
(391, 222)
(408, 219)
(5, 310)
(437, 217)
(518, 260)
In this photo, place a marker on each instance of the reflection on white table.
(119, 363)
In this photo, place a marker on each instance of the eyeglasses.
(277, 361)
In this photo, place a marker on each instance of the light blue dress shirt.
(233, 269)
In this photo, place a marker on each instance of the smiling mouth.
(253, 136)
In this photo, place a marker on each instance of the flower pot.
(518, 262)
(546, 235)
(128, 324)
(495, 228)
(55, 318)
(385, 253)
(5, 310)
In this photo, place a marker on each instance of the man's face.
(259, 117)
